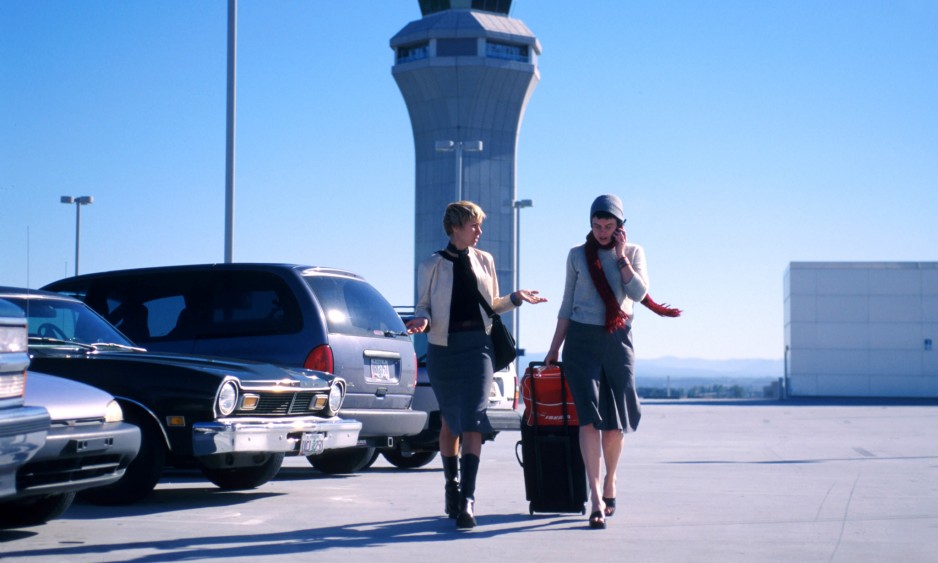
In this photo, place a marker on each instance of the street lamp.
(78, 201)
(519, 205)
(459, 147)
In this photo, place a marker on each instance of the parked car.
(88, 445)
(234, 420)
(419, 450)
(300, 316)
(22, 429)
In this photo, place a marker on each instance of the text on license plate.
(312, 443)
(381, 370)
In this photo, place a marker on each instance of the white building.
(861, 329)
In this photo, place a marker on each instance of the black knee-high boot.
(451, 475)
(467, 491)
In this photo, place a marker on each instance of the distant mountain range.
(695, 367)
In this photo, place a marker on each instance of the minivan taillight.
(320, 358)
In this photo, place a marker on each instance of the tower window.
(463, 47)
(413, 52)
(507, 51)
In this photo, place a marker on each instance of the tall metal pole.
(77, 233)
(77, 202)
(518, 205)
(230, 144)
(458, 171)
(458, 147)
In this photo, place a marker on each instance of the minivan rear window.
(186, 305)
(353, 307)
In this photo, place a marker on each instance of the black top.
(464, 311)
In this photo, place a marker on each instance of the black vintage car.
(234, 420)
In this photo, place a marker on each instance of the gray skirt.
(461, 378)
(600, 371)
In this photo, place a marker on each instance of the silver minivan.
(319, 318)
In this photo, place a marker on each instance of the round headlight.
(336, 395)
(113, 413)
(227, 398)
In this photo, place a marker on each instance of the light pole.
(519, 205)
(459, 147)
(78, 201)
(230, 128)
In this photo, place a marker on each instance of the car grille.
(68, 470)
(280, 404)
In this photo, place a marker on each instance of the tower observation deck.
(466, 71)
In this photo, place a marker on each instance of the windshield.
(68, 321)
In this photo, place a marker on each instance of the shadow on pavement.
(303, 541)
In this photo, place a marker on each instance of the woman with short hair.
(459, 354)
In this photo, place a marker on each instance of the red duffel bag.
(550, 397)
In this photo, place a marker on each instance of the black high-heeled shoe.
(597, 520)
(610, 506)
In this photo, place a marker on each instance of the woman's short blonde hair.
(459, 213)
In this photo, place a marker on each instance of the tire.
(33, 511)
(142, 474)
(344, 460)
(243, 478)
(412, 460)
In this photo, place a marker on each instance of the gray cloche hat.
(610, 204)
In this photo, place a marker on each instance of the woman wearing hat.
(459, 354)
(605, 277)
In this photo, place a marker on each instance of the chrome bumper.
(262, 435)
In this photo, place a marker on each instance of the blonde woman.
(459, 355)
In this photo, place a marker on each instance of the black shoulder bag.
(504, 350)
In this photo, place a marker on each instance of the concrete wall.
(861, 329)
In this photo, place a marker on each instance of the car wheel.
(410, 460)
(141, 475)
(32, 511)
(344, 460)
(241, 478)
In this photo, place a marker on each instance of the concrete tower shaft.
(466, 76)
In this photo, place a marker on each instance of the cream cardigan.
(435, 292)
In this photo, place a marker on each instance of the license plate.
(380, 370)
(312, 443)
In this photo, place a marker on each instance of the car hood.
(250, 374)
(65, 399)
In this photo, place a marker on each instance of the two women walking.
(604, 278)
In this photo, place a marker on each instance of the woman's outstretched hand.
(531, 296)
(417, 324)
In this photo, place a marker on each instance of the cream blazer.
(435, 292)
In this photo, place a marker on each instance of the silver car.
(88, 445)
(22, 429)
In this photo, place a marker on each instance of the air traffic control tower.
(466, 71)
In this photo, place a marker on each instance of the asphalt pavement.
(707, 481)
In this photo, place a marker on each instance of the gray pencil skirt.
(600, 371)
(461, 378)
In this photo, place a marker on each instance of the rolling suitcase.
(554, 476)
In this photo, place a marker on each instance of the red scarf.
(615, 316)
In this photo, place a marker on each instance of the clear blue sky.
(741, 135)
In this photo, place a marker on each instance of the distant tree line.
(754, 390)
